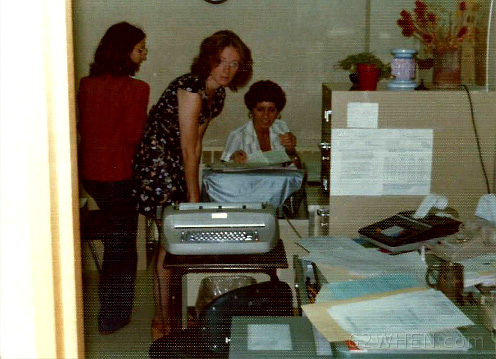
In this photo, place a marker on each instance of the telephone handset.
(475, 237)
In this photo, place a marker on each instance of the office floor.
(132, 341)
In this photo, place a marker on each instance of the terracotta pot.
(368, 76)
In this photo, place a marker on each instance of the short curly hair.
(265, 90)
(209, 57)
(113, 53)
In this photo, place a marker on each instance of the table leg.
(175, 303)
(272, 273)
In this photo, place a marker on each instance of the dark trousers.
(116, 288)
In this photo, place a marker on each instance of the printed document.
(424, 311)
(379, 162)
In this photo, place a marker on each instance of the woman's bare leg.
(161, 281)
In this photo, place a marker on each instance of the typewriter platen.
(219, 228)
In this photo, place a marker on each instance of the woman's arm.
(234, 144)
(189, 104)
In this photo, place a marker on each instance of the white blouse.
(245, 138)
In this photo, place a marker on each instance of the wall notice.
(377, 162)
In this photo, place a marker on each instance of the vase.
(368, 76)
(403, 69)
(446, 72)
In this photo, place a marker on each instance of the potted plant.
(366, 70)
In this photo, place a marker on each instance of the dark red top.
(112, 114)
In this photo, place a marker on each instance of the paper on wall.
(363, 115)
(377, 162)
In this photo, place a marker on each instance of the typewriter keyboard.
(219, 236)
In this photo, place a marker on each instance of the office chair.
(211, 338)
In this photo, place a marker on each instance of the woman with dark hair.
(266, 131)
(112, 113)
(168, 160)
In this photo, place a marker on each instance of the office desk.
(483, 344)
(272, 186)
(304, 346)
(180, 265)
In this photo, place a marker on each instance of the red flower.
(421, 19)
(422, 23)
(431, 17)
(420, 5)
(408, 31)
(405, 14)
(462, 32)
(427, 38)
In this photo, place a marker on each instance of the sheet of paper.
(376, 162)
(415, 312)
(347, 255)
(269, 337)
(271, 157)
(363, 115)
(368, 286)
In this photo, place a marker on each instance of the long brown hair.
(113, 53)
(209, 57)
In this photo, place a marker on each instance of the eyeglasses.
(143, 51)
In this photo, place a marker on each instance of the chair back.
(272, 298)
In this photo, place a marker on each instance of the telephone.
(409, 230)
(475, 237)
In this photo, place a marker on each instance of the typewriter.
(219, 228)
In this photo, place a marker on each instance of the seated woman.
(266, 132)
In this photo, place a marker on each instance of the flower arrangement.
(438, 29)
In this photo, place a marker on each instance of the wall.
(40, 279)
(295, 43)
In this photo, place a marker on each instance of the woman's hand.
(239, 157)
(288, 140)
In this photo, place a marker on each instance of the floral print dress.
(158, 165)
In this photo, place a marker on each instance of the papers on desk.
(367, 286)
(241, 167)
(379, 302)
(346, 254)
(413, 312)
(270, 157)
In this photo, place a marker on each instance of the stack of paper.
(346, 254)
(481, 269)
(413, 320)
(379, 302)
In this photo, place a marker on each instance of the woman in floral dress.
(168, 159)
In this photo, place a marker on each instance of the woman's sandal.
(159, 329)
